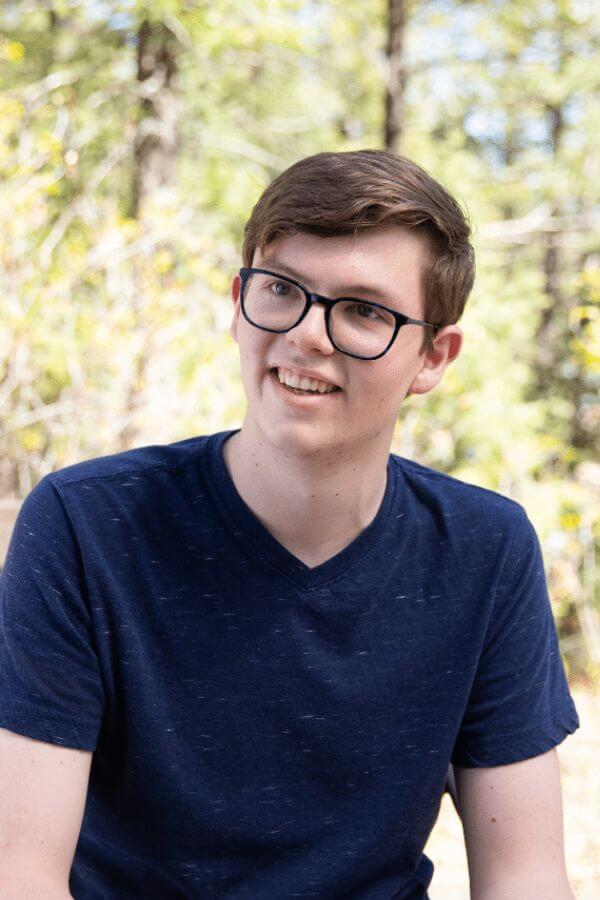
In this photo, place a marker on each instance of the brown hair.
(340, 193)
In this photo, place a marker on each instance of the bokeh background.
(135, 138)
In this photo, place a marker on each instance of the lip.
(301, 401)
(306, 373)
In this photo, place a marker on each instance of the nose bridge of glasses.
(316, 300)
(316, 325)
(319, 298)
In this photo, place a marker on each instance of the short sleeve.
(520, 705)
(50, 680)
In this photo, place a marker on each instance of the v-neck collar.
(260, 543)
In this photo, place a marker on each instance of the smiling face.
(381, 264)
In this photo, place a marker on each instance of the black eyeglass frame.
(329, 303)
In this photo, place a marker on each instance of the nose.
(311, 333)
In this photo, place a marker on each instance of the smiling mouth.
(300, 391)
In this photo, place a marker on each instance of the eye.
(280, 288)
(365, 311)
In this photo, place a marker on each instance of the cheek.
(384, 391)
(253, 347)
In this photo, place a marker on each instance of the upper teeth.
(306, 384)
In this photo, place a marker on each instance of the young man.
(240, 665)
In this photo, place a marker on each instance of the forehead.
(384, 263)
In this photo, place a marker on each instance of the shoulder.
(137, 478)
(455, 504)
(133, 462)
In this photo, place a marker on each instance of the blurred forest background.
(135, 138)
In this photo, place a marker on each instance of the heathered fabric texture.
(263, 729)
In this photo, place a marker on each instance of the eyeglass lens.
(357, 327)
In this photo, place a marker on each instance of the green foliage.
(108, 319)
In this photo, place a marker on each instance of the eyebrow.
(351, 288)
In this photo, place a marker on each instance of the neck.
(314, 505)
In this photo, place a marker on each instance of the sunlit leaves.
(108, 321)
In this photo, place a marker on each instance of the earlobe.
(233, 327)
(421, 384)
(446, 348)
(428, 375)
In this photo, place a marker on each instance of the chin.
(303, 439)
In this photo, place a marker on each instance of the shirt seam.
(86, 588)
(522, 731)
(425, 472)
(111, 476)
(44, 717)
(499, 590)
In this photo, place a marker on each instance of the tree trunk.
(549, 339)
(394, 101)
(155, 145)
(554, 367)
(155, 163)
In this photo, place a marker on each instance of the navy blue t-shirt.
(262, 729)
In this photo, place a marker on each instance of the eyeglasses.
(358, 328)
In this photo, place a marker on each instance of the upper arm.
(513, 823)
(43, 788)
(519, 705)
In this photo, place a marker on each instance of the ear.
(446, 347)
(235, 296)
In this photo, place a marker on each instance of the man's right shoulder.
(130, 463)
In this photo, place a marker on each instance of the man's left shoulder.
(454, 498)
